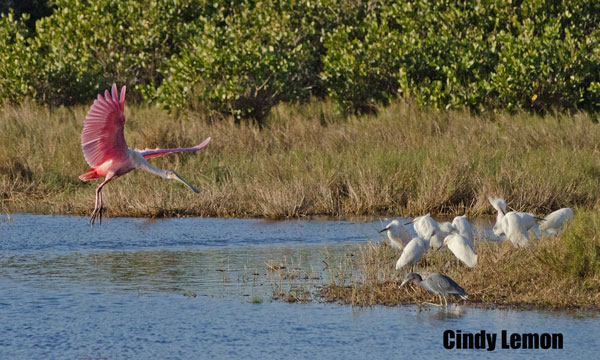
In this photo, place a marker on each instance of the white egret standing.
(459, 245)
(428, 229)
(464, 228)
(412, 253)
(555, 222)
(397, 234)
(500, 206)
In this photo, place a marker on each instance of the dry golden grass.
(308, 160)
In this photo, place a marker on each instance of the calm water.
(183, 288)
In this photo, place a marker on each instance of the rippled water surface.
(198, 288)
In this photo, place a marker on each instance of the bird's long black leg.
(101, 209)
(98, 209)
(95, 212)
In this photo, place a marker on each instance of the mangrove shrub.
(242, 57)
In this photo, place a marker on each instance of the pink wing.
(150, 153)
(102, 137)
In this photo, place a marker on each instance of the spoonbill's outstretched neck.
(105, 150)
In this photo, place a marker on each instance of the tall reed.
(309, 160)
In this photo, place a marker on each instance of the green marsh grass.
(309, 160)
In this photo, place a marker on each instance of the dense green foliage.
(245, 59)
(36, 9)
(242, 57)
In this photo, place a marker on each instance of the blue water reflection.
(183, 288)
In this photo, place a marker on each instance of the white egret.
(428, 229)
(555, 222)
(500, 206)
(412, 253)
(459, 245)
(397, 234)
(464, 228)
(446, 228)
(514, 224)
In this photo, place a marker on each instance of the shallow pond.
(197, 288)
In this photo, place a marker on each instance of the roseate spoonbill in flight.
(105, 150)
(397, 234)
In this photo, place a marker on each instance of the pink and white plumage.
(105, 150)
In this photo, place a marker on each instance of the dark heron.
(438, 284)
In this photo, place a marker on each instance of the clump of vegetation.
(308, 160)
(577, 254)
(504, 275)
(242, 58)
(289, 282)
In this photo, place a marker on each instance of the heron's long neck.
(419, 282)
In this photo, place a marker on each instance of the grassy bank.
(308, 160)
(557, 273)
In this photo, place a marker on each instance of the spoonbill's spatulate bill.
(105, 150)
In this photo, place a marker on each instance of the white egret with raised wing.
(464, 228)
(428, 229)
(514, 225)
